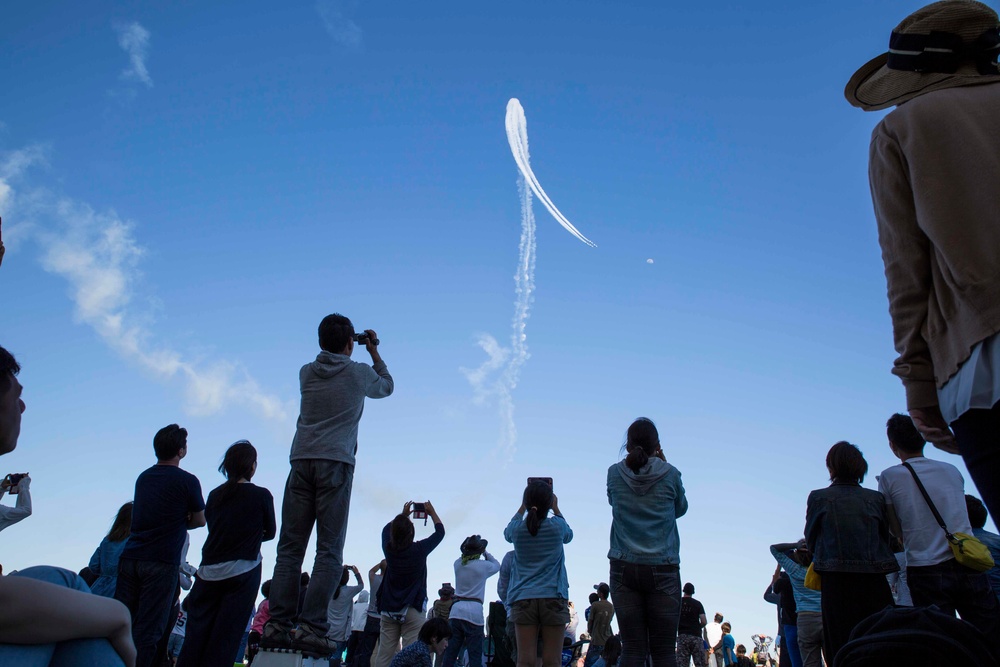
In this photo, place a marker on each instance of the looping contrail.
(517, 136)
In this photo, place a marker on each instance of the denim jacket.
(847, 530)
(645, 507)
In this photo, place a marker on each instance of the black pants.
(147, 589)
(978, 435)
(366, 646)
(953, 587)
(849, 598)
(217, 615)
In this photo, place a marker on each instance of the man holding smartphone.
(318, 489)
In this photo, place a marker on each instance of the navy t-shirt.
(690, 620)
(239, 519)
(164, 496)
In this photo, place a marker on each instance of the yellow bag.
(813, 580)
(970, 552)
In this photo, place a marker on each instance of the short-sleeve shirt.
(690, 621)
(164, 497)
(923, 539)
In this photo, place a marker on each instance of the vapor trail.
(517, 137)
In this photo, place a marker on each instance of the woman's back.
(239, 518)
(104, 563)
(645, 506)
(539, 567)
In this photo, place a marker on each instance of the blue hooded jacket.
(645, 507)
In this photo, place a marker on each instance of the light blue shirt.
(539, 565)
(806, 599)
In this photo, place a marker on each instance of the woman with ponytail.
(646, 497)
(240, 516)
(539, 587)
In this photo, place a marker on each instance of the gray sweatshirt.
(333, 398)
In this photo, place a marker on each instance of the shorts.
(540, 611)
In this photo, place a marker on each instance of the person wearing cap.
(442, 606)
(472, 569)
(934, 170)
(599, 623)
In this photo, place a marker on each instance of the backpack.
(916, 637)
(498, 648)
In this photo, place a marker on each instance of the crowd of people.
(914, 552)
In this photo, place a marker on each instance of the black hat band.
(943, 52)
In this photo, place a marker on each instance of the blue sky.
(188, 189)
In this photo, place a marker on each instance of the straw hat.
(945, 44)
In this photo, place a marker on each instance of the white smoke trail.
(517, 137)
(98, 255)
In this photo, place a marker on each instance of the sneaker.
(312, 645)
(275, 636)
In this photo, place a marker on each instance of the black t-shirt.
(783, 587)
(238, 521)
(690, 622)
(164, 496)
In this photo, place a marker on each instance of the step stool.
(286, 658)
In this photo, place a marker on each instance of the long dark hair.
(122, 526)
(344, 578)
(238, 463)
(612, 650)
(538, 499)
(400, 533)
(642, 440)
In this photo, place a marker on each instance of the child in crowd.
(741, 657)
(728, 645)
(260, 618)
(432, 640)
(176, 640)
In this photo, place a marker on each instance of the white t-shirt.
(470, 582)
(923, 539)
(182, 619)
(714, 632)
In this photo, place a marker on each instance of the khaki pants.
(393, 632)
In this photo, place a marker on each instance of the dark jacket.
(405, 582)
(847, 530)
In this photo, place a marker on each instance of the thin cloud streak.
(98, 255)
(134, 40)
(343, 30)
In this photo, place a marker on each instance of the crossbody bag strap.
(930, 503)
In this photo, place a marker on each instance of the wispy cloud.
(134, 40)
(98, 255)
(342, 28)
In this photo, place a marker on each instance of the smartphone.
(547, 480)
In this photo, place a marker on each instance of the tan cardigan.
(934, 169)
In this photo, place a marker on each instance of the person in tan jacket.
(934, 170)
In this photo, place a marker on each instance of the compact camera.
(14, 479)
(420, 511)
(362, 338)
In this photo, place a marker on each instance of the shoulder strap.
(930, 504)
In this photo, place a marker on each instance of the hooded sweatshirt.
(333, 398)
(645, 507)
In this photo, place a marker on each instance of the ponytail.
(641, 441)
(538, 499)
(636, 459)
(532, 521)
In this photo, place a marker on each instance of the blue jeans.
(148, 588)
(317, 492)
(790, 644)
(647, 601)
(593, 653)
(953, 587)
(75, 653)
(217, 615)
(464, 635)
